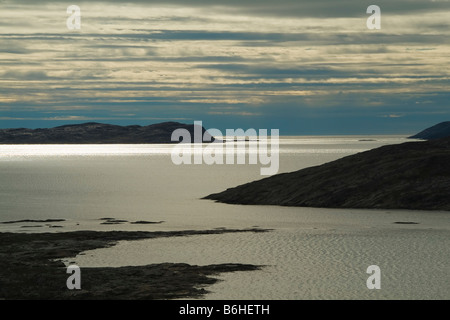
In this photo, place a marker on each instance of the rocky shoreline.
(31, 268)
(412, 175)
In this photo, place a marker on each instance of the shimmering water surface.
(310, 253)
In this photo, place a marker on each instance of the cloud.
(271, 61)
(26, 75)
(234, 113)
(316, 8)
(392, 116)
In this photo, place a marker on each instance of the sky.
(303, 67)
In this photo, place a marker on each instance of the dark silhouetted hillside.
(95, 133)
(441, 130)
(412, 175)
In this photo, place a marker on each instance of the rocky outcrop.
(30, 268)
(412, 175)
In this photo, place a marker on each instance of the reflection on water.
(312, 253)
(309, 144)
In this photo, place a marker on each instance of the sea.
(306, 254)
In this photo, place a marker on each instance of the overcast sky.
(304, 67)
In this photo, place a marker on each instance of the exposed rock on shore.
(30, 268)
(412, 175)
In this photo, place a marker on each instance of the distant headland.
(96, 133)
(441, 130)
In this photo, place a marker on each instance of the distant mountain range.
(96, 133)
(412, 175)
(441, 130)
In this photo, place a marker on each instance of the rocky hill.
(441, 130)
(95, 133)
(412, 175)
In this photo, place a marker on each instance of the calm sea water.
(309, 254)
